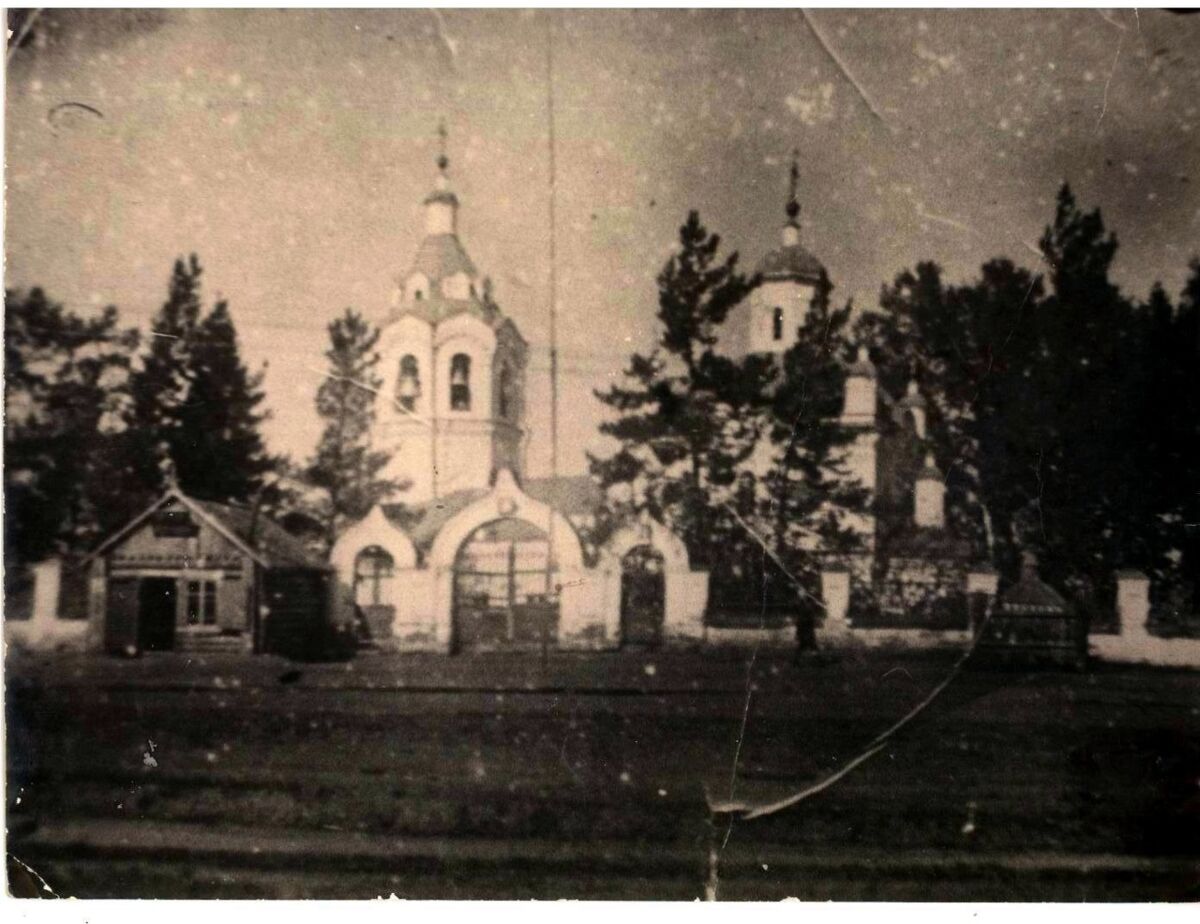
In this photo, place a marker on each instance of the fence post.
(1133, 603)
(982, 584)
(835, 594)
(47, 581)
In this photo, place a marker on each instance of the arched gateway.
(505, 556)
(505, 593)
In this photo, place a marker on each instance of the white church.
(482, 558)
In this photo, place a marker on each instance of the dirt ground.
(584, 776)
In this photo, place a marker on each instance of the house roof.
(435, 308)
(276, 546)
(440, 256)
(570, 495)
(256, 535)
(573, 496)
(1030, 594)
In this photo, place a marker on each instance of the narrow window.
(777, 324)
(202, 603)
(505, 392)
(408, 383)
(372, 570)
(460, 382)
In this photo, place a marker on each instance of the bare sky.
(291, 149)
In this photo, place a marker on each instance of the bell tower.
(451, 410)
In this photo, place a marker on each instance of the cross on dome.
(793, 203)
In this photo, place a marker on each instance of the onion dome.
(792, 262)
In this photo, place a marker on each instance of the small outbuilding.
(1032, 623)
(194, 575)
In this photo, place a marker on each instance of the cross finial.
(793, 204)
(442, 160)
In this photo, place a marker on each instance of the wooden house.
(196, 575)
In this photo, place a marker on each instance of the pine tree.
(159, 387)
(345, 467)
(65, 382)
(194, 414)
(218, 451)
(1166, 446)
(972, 348)
(1088, 505)
(680, 423)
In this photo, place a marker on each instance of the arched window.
(372, 570)
(505, 390)
(408, 382)
(460, 382)
(777, 324)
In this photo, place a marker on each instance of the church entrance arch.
(504, 596)
(643, 596)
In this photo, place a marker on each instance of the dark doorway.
(121, 617)
(156, 614)
(643, 596)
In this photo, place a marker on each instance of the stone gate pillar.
(1133, 603)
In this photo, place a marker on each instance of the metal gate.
(643, 596)
(504, 594)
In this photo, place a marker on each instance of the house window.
(777, 324)
(408, 383)
(505, 392)
(202, 603)
(372, 570)
(460, 382)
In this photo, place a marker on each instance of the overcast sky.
(291, 150)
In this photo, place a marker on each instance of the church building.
(909, 555)
(480, 557)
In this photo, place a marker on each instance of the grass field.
(585, 776)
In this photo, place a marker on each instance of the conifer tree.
(345, 467)
(809, 490)
(218, 451)
(971, 347)
(65, 383)
(195, 411)
(159, 387)
(680, 419)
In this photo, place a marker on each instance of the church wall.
(414, 626)
(464, 456)
(590, 609)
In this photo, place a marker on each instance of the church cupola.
(929, 497)
(791, 281)
(441, 205)
(912, 406)
(442, 280)
(858, 406)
